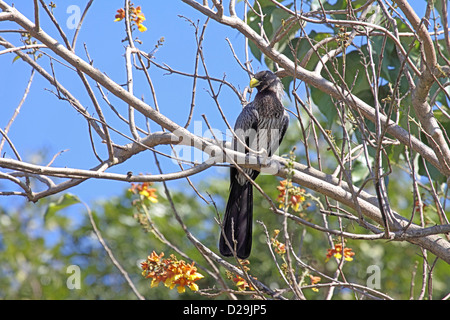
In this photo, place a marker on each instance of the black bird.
(261, 126)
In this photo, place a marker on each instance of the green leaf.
(64, 201)
(325, 105)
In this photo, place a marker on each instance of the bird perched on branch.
(259, 129)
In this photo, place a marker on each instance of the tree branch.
(324, 85)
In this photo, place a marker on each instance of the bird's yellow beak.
(254, 83)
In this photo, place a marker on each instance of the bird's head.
(266, 80)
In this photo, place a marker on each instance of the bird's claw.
(263, 157)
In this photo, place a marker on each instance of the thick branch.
(302, 175)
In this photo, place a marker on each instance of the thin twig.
(110, 253)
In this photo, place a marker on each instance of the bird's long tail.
(237, 224)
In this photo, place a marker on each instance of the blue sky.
(45, 123)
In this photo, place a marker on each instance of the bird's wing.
(245, 127)
(285, 124)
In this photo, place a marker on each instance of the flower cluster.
(338, 251)
(136, 16)
(240, 282)
(278, 246)
(290, 196)
(145, 191)
(172, 272)
(314, 280)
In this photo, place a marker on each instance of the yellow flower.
(150, 194)
(155, 283)
(139, 15)
(193, 287)
(170, 283)
(142, 28)
(240, 282)
(181, 289)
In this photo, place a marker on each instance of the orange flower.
(120, 15)
(337, 252)
(294, 196)
(172, 272)
(145, 191)
(136, 16)
(314, 280)
(283, 185)
(138, 13)
(154, 258)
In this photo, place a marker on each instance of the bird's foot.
(262, 157)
